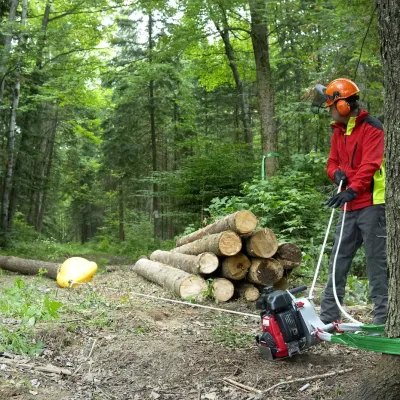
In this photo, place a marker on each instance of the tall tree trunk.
(383, 382)
(48, 162)
(7, 47)
(121, 207)
(240, 89)
(259, 38)
(9, 173)
(152, 108)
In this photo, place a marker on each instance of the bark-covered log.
(29, 267)
(289, 255)
(262, 243)
(265, 271)
(241, 222)
(204, 263)
(235, 267)
(282, 284)
(222, 289)
(226, 243)
(180, 282)
(247, 291)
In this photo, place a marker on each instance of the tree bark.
(241, 222)
(181, 283)
(29, 267)
(247, 291)
(282, 284)
(289, 255)
(265, 271)
(9, 173)
(235, 267)
(7, 47)
(204, 263)
(226, 243)
(259, 38)
(383, 381)
(262, 243)
(222, 289)
(243, 101)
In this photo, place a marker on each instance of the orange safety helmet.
(337, 92)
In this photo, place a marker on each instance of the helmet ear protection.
(343, 107)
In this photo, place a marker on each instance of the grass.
(231, 332)
(22, 306)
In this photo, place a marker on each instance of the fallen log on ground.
(29, 267)
(235, 267)
(247, 291)
(222, 289)
(289, 255)
(204, 263)
(226, 243)
(179, 282)
(241, 222)
(265, 271)
(262, 243)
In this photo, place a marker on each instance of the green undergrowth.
(231, 332)
(22, 306)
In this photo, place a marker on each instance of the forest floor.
(118, 346)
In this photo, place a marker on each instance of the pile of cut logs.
(237, 257)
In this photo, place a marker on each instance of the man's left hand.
(340, 199)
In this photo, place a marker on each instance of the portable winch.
(290, 325)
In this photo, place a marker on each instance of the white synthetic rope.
(310, 296)
(334, 273)
(194, 305)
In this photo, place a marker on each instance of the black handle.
(298, 289)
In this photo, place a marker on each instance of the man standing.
(357, 160)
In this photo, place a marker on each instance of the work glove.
(341, 198)
(340, 176)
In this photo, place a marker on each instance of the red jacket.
(359, 153)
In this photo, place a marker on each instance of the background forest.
(126, 123)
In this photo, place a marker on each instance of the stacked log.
(231, 253)
(186, 286)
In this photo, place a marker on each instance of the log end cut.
(193, 287)
(262, 243)
(223, 289)
(229, 243)
(208, 263)
(245, 222)
(248, 291)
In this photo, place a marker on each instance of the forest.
(126, 124)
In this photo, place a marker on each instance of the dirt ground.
(119, 346)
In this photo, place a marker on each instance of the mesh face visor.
(320, 99)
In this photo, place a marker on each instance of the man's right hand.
(340, 176)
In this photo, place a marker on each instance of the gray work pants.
(368, 226)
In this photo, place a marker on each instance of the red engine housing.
(269, 324)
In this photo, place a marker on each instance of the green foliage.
(231, 333)
(25, 304)
(357, 291)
